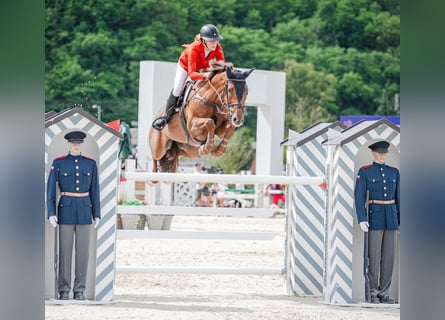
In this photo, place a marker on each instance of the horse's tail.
(169, 162)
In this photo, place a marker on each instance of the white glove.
(364, 225)
(96, 222)
(53, 221)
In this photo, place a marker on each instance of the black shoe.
(79, 296)
(375, 299)
(386, 299)
(159, 123)
(64, 295)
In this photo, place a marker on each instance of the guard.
(76, 177)
(382, 182)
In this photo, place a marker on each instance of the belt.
(382, 201)
(75, 194)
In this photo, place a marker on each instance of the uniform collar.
(74, 156)
(379, 165)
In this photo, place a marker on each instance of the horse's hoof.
(201, 151)
(151, 183)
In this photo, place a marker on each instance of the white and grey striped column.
(305, 221)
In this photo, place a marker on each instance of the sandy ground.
(209, 296)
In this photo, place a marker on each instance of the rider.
(195, 57)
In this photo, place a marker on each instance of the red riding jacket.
(193, 59)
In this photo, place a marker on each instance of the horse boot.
(160, 122)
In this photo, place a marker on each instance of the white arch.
(266, 91)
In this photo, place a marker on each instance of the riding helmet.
(210, 32)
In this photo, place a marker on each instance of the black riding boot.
(160, 122)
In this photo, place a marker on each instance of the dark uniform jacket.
(76, 174)
(383, 183)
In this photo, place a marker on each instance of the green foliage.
(239, 153)
(249, 48)
(308, 93)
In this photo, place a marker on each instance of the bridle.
(224, 107)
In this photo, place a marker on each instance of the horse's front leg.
(203, 129)
(222, 146)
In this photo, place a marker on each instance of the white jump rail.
(224, 178)
(196, 211)
(202, 270)
(195, 234)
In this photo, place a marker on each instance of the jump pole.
(225, 178)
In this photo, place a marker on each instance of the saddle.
(182, 101)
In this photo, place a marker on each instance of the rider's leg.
(160, 122)
(180, 77)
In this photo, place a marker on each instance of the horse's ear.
(247, 73)
(229, 73)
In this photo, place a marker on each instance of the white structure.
(101, 144)
(266, 91)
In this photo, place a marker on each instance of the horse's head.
(236, 93)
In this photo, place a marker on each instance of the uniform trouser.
(381, 251)
(67, 234)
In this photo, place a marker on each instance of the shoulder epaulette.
(367, 166)
(60, 158)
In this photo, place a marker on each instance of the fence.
(205, 211)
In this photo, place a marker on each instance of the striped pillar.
(340, 209)
(305, 224)
(105, 254)
(108, 163)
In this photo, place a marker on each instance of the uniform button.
(77, 173)
(381, 169)
(384, 188)
(65, 174)
(384, 181)
(373, 180)
(77, 188)
(385, 195)
(77, 181)
(77, 167)
(88, 174)
(75, 160)
(383, 174)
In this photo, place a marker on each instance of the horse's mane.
(218, 67)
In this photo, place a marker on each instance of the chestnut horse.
(214, 107)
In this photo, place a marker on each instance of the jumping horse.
(213, 107)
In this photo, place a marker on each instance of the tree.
(383, 33)
(249, 48)
(308, 92)
(344, 22)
